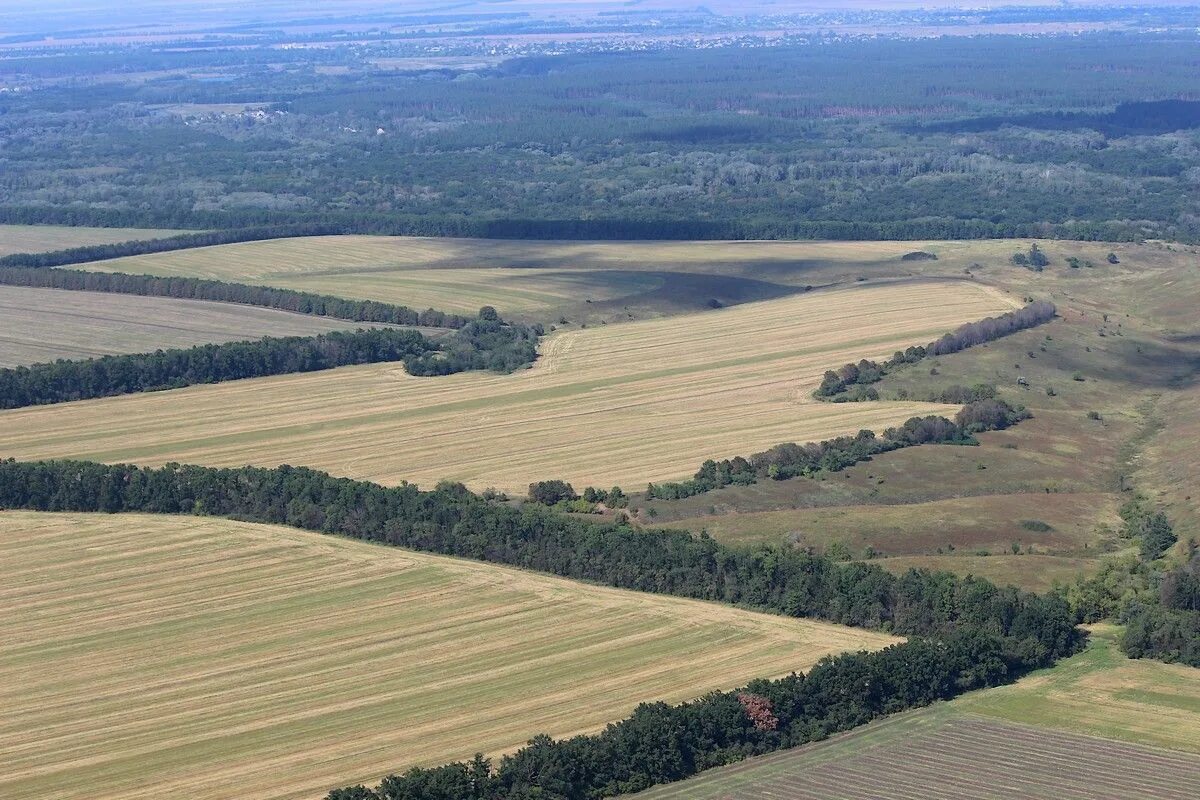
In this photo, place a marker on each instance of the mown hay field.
(627, 404)
(43, 238)
(154, 656)
(41, 325)
(937, 753)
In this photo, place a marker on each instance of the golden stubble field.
(532, 277)
(541, 278)
(41, 325)
(153, 656)
(41, 238)
(623, 405)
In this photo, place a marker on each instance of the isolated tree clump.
(548, 493)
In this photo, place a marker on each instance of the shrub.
(548, 493)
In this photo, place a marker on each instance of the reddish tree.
(758, 709)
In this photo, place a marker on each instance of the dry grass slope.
(40, 325)
(150, 657)
(43, 238)
(612, 405)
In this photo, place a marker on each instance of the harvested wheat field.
(527, 277)
(621, 405)
(42, 238)
(40, 325)
(153, 656)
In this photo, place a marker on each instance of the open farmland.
(153, 656)
(1095, 726)
(937, 753)
(42, 238)
(40, 325)
(611, 405)
(611, 281)
(1103, 693)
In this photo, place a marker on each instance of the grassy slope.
(42, 238)
(1135, 367)
(612, 405)
(1103, 693)
(150, 656)
(40, 325)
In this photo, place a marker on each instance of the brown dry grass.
(42, 238)
(612, 405)
(40, 325)
(152, 656)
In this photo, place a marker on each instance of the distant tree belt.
(978, 634)
(134, 247)
(791, 460)
(321, 305)
(480, 344)
(847, 384)
(271, 224)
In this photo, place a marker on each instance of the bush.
(548, 493)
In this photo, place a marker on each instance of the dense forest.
(1086, 136)
(968, 632)
(485, 343)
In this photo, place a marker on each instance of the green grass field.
(1103, 693)
(43, 238)
(42, 325)
(154, 656)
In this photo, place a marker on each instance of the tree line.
(1158, 603)
(792, 460)
(490, 344)
(660, 743)
(642, 226)
(846, 384)
(967, 632)
(320, 305)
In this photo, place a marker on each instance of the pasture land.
(1112, 388)
(623, 405)
(155, 656)
(963, 534)
(43, 238)
(614, 281)
(939, 753)
(1103, 693)
(41, 325)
